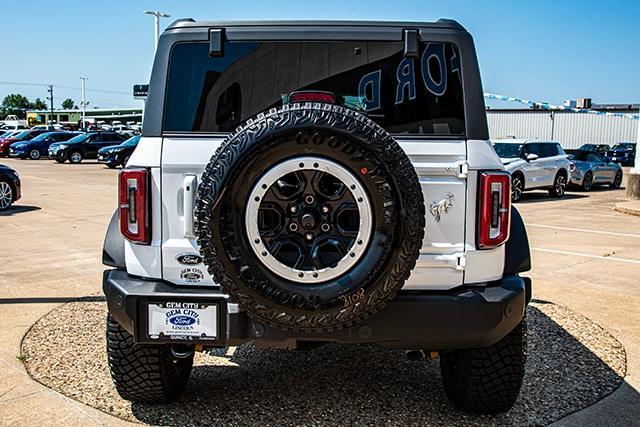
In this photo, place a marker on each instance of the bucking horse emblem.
(437, 209)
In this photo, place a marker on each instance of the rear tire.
(617, 181)
(559, 186)
(587, 182)
(75, 157)
(486, 380)
(144, 373)
(34, 154)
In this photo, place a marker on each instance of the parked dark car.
(38, 146)
(9, 187)
(83, 146)
(115, 155)
(25, 135)
(623, 153)
(595, 148)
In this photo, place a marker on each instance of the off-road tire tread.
(486, 380)
(225, 159)
(144, 373)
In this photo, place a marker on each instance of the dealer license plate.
(183, 321)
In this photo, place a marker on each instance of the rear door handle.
(189, 184)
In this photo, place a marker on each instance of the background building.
(73, 117)
(571, 129)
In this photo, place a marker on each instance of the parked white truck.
(301, 183)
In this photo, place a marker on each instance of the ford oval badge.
(182, 320)
(189, 259)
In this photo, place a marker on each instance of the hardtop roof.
(440, 24)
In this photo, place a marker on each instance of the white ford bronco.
(304, 183)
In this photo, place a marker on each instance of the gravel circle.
(572, 363)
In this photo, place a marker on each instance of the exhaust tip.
(415, 355)
(182, 352)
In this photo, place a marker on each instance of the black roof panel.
(440, 23)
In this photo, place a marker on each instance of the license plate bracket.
(182, 320)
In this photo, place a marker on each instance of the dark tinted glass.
(532, 149)
(405, 95)
(506, 150)
(547, 150)
(593, 157)
(582, 155)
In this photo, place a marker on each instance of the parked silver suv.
(534, 164)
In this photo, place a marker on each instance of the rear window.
(420, 95)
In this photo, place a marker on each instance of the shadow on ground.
(571, 364)
(18, 209)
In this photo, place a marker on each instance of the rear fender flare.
(517, 258)
(113, 247)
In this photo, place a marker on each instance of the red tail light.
(134, 205)
(495, 209)
(312, 96)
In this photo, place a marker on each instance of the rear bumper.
(466, 317)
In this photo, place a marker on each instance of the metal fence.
(569, 128)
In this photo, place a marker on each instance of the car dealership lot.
(585, 256)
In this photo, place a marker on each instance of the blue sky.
(540, 50)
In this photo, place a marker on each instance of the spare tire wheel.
(310, 217)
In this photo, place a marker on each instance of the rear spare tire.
(310, 216)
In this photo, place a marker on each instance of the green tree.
(68, 104)
(14, 104)
(39, 104)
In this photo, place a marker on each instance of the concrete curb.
(629, 208)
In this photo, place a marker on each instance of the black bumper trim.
(465, 317)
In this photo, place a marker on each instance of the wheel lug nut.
(293, 226)
(309, 199)
(325, 209)
(325, 227)
(309, 236)
(293, 209)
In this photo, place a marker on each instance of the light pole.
(83, 103)
(50, 90)
(156, 29)
(633, 184)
